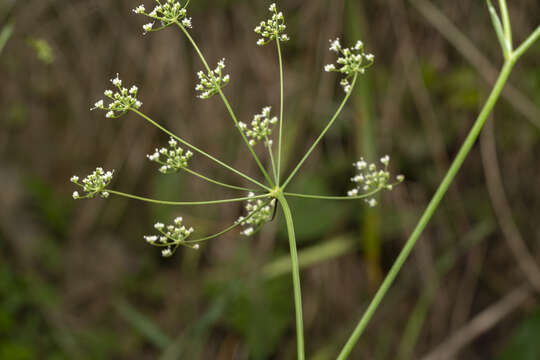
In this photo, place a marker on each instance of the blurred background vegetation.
(77, 281)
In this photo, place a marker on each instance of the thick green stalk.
(506, 24)
(280, 111)
(325, 130)
(295, 275)
(194, 148)
(430, 210)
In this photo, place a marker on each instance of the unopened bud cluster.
(172, 159)
(211, 83)
(369, 179)
(259, 213)
(260, 127)
(350, 62)
(273, 28)
(168, 13)
(93, 184)
(170, 237)
(122, 100)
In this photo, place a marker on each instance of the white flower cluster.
(174, 158)
(351, 61)
(170, 237)
(122, 100)
(260, 127)
(168, 13)
(273, 28)
(210, 83)
(259, 213)
(93, 184)
(370, 179)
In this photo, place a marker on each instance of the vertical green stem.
(506, 24)
(430, 210)
(272, 162)
(280, 112)
(295, 275)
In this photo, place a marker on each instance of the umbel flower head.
(260, 127)
(272, 28)
(121, 100)
(351, 61)
(213, 81)
(259, 213)
(171, 12)
(93, 184)
(171, 237)
(369, 179)
(172, 159)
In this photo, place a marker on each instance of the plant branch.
(227, 105)
(295, 275)
(194, 148)
(506, 24)
(216, 182)
(280, 110)
(232, 227)
(186, 203)
(330, 123)
(431, 208)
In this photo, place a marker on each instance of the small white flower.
(148, 27)
(196, 246)
(109, 114)
(187, 22)
(139, 9)
(133, 90)
(385, 160)
(116, 81)
(76, 195)
(330, 67)
(400, 178)
(74, 179)
(108, 93)
(272, 7)
(372, 202)
(159, 226)
(166, 252)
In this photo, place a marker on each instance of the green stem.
(216, 182)
(330, 123)
(295, 275)
(506, 24)
(280, 110)
(194, 148)
(527, 43)
(227, 105)
(324, 197)
(430, 210)
(232, 227)
(269, 147)
(210, 202)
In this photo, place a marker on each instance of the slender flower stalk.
(185, 203)
(194, 148)
(226, 102)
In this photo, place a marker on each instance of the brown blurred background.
(77, 280)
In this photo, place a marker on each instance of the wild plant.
(265, 133)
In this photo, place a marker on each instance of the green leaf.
(524, 344)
